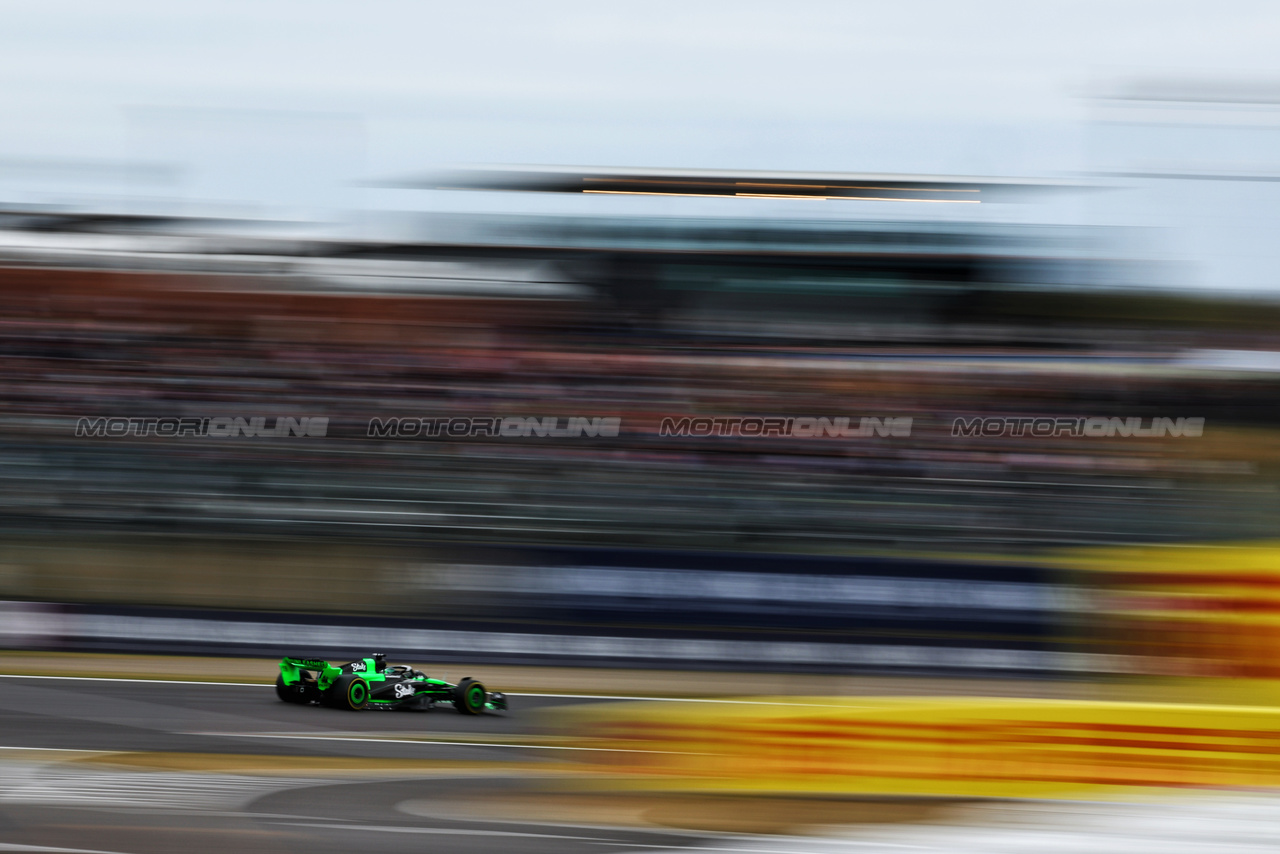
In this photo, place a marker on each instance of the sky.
(291, 103)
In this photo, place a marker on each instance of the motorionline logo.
(1093, 427)
(460, 427)
(220, 427)
(787, 427)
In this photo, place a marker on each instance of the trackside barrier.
(29, 625)
(931, 747)
(1188, 610)
(1203, 619)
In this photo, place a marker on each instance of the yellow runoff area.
(942, 747)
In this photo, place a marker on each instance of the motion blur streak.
(505, 345)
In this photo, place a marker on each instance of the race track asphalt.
(153, 767)
(115, 766)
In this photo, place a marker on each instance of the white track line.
(598, 840)
(716, 849)
(14, 846)
(420, 741)
(677, 700)
(126, 679)
(57, 749)
(619, 697)
(444, 831)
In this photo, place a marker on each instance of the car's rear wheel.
(469, 697)
(348, 691)
(295, 693)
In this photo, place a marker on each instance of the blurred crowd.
(84, 343)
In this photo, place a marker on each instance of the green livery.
(369, 683)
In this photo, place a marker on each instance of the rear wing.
(292, 667)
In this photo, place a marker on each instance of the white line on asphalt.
(678, 700)
(55, 749)
(446, 831)
(16, 846)
(460, 831)
(716, 849)
(126, 679)
(420, 741)
(509, 694)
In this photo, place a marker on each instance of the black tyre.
(295, 693)
(469, 697)
(348, 691)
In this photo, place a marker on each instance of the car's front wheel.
(469, 697)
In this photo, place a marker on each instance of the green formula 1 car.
(369, 683)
